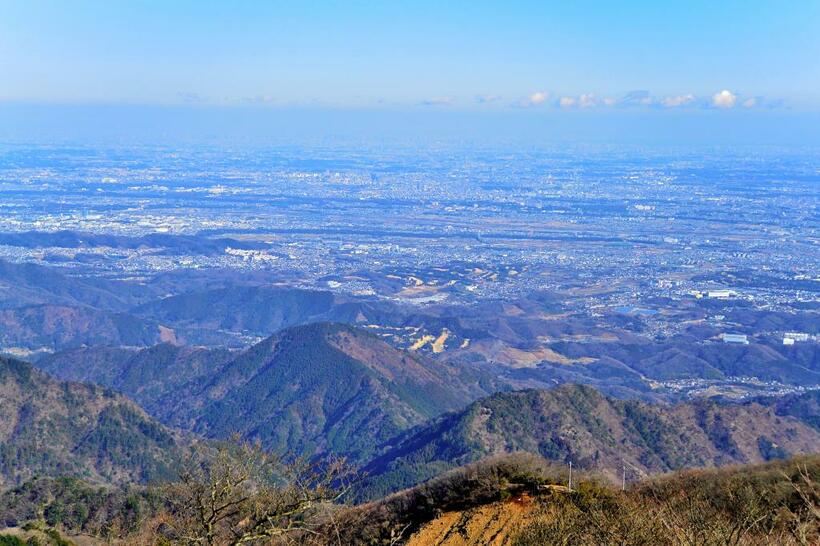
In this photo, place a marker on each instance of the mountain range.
(308, 389)
(51, 427)
(578, 424)
(531, 341)
(327, 388)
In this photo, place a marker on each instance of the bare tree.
(804, 517)
(243, 495)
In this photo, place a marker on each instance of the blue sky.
(458, 55)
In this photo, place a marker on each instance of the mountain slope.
(258, 310)
(595, 432)
(669, 360)
(750, 504)
(59, 327)
(155, 377)
(27, 284)
(307, 389)
(169, 244)
(55, 428)
(326, 387)
(805, 407)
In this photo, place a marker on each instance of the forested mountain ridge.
(307, 389)
(49, 427)
(328, 388)
(324, 387)
(59, 326)
(578, 423)
(259, 310)
(156, 377)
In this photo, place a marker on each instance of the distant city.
(656, 246)
(409, 273)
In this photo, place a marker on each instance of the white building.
(735, 338)
(721, 294)
(796, 336)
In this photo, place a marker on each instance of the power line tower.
(570, 475)
(623, 479)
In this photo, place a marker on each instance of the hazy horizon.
(524, 72)
(264, 125)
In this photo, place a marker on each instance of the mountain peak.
(336, 387)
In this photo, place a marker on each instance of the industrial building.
(735, 338)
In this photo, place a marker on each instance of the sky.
(588, 57)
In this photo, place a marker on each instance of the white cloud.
(679, 100)
(724, 99)
(587, 100)
(536, 99)
(539, 98)
(567, 102)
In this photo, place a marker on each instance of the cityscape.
(409, 273)
(653, 247)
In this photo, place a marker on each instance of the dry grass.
(774, 504)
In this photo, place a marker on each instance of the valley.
(631, 327)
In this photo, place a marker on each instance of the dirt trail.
(492, 525)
